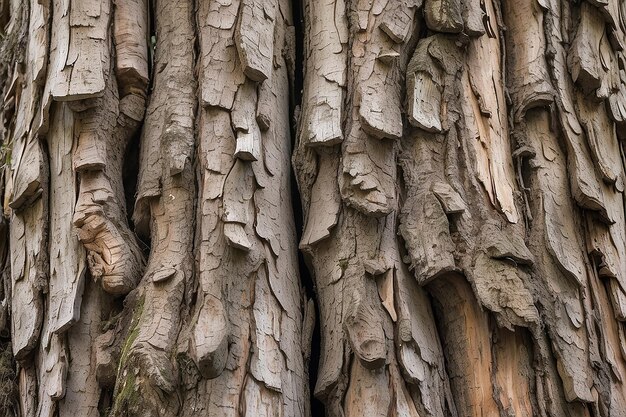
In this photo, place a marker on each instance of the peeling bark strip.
(244, 333)
(147, 376)
(350, 236)
(461, 167)
(465, 212)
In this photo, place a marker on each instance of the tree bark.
(460, 165)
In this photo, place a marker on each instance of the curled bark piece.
(324, 86)
(28, 261)
(365, 332)
(28, 242)
(130, 29)
(602, 139)
(255, 38)
(366, 181)
(114, 257)
(377, 93)
(451, 201)
(100, 216)
(379, 112)
(424, 87)
(244, 121)
(484, 110)
(420, 353)
(28, 182)
(67, 256)
(325, 203)
(506, 295)
(266, 362)
(397, 19)
(106, 364)
(423, 221)
(84, 52)
(584, 183)
(238, 191)
(444, 15)
(617, 99)
(210, 338)
(473, 15)
(385, 291)
(528, 79)
(216, 27)
(607, 244)
(584, 56)
(425, 229)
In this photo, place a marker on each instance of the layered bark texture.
(461, 169)
(461, 172)
(200, 311)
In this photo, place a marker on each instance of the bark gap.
(348, 207)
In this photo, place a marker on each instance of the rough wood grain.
(324, 84)
(444, 15)
(67, 256)
(105, 129)
(584, 54)
(130, 33)
(83, 55)
(460, 166)
(254, 38)
(168, 142)
(486, 106)
(527, 75)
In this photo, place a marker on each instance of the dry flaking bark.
(216, 320)
(461, 167)
(494, 181)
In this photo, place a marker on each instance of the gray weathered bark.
(461, 169)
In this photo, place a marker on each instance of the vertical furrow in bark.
(243, 339)
(79, 70)
(105, 126)
(464, 174)
(596, 86)
(147, 376)
(593, 59)
(460, 213)
(26, 202)
(584, 183)
(593, 173)
(380, 351)
(555, 241)
(26, 196)
(67, 264)
(461, 167)
(557, 245)
(465, 331)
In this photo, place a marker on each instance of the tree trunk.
(460, 170)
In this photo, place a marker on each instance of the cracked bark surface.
(460, 167)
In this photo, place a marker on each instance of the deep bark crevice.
(317, 407)
(130, 172)
(453, 173)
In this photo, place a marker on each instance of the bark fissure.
(293, 208)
